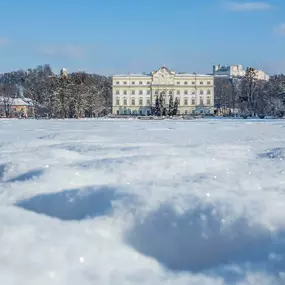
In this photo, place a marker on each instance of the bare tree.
(7, 94)
(248, 96)
(225, 95)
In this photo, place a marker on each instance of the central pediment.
(163, 76)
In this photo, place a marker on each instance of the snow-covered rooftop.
(132, 75)
(175, 74)
(192, 74)
(18, 101)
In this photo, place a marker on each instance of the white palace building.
(136, 93)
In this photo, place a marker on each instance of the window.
(140, 92)
(201, 101)
(208, 92)
(178, 82)
(201, 92)
(193, 92)
(125, 102)
(148, 92)
(208, 101)
(125, 92)
(209, 82)
(193, 82)
(133, 82)
(140, 112)
(118, 112)
(148, 82)
(118, 82)
(193, 101)
(185, 92)
(125, 82)
(185, 101)
(117, 92)
(170, 93)
(185, 82)
(141, 101)
(148, 101)
(201, 82)
(133, 92)
(140, 82)
(193, 111)
(178, 92)
(118, 102)
(133, 102)
(185, 112)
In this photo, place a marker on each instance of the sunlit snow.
(127, 202)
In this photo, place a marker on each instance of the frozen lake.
(127, 202)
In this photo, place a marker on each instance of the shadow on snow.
(32, 174)
(275, 153)
(2, 170)
(202, 240)
(76, 204)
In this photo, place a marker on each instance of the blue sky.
(121, 36)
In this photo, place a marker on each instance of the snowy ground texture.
(142, 202)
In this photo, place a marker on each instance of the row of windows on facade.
(186, 92)
(193, 101)
(134, 112)
(178, 82)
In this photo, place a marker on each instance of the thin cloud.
(72, 51)
(248, 6)
(280, 30)
(4, 41)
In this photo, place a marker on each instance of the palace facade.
(136, 93)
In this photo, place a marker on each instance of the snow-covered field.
(142, 202)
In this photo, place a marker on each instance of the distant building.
(228, 71)
(137, 93)
(18, 107)
(231, 71)
(64, 72)
(261, 75)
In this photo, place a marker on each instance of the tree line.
(82, 94)
(249, 97)
(74, 96)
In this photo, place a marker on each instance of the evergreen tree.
(157, 107)
(171, 106)
(175, 108)
(161, 105)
